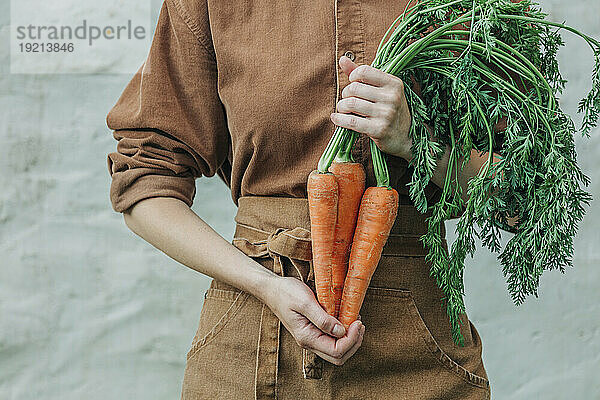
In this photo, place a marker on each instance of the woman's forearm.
(476, 161)
(471, 169)
(172, 227)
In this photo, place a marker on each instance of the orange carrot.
(322, 191)
(377, 214)
(350, 177)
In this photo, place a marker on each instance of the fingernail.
(338, 330)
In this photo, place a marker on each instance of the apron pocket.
(439, 354)
(412, 320)
(399, 358)
(221, 362)
(220, 307)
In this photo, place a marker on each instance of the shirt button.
(350, 55)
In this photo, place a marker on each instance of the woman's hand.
(374, 104)
(297, 308)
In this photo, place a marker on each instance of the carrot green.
(479, 62)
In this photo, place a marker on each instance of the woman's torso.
(244, 89)
(279, 80)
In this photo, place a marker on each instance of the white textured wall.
(88, 310)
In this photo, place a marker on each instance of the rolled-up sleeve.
(169, 122)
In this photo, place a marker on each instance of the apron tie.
(295, 245)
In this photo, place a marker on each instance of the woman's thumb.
(347, 65)
(325, 322)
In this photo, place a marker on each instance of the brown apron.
(241, 350)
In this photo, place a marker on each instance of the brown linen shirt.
(243, 90)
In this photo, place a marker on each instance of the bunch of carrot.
(477, 62)
(349, 226)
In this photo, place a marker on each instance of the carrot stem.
(339, 136)
(379, 166)
(345, 152)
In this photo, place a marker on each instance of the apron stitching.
(241, 239)
(233, 309)
(258, 353)
(285, 232)
(275, 371)
(304, 375)
(443, 358)
(296, 237)
(337, 78)
(297, 270)
(251, 227)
